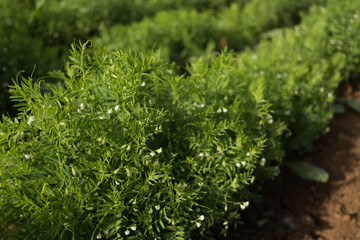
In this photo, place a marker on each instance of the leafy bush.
(128, 148)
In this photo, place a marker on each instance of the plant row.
(181, 34)
(124, 148)
(36, 34)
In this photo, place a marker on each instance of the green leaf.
(308, 171)
(353, 104)
(339, 108)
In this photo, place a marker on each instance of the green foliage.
(38, 32)
(18, 50)
(125, 147)
(308, 171)
(299, 74)
(183, 33)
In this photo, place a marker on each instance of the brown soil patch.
(296, 209)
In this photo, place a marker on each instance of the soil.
(297, 209)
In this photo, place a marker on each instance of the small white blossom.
(248, 154)
(116, 108)
(151, 211)
(219, 110)
(99, 236)
(31, 119)
(238, 165)
(106, 232)
(225, 110)
(198, 224)
(109, 111)
(27, 156)
(82, 106)
(207, 154)
(133, 228)
(244, 205)
(127, 232)
(243, 163)
(202, 218)
(201, 154)
(271, 121)
(157, 207)
(159, 150)
(263, 162)
(202, 105)
(101, 117)
(143, 84)
(152, 154)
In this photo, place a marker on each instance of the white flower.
(202, 105)
(243, 163)
(152, 154)
(263, 162)
(106, 232)
(109, 111)
(151, 211)
(27, 156)
(99, 236)
(198, 224)
(127, 232)
(248, 154)
(238, 165)
(159, 150)
(207, 154)
(201, 154)
(225, 110)
(271, 121)
(244, 205)
(219, 110)
(143, 84)
(82, 106)
(31, 119)
(116, 108)
(101, 117)
(157, 207)
(202, 218)
(133, 228)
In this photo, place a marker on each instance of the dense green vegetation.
(36, 34)
(123, 147)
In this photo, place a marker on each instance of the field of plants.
(162, 119)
